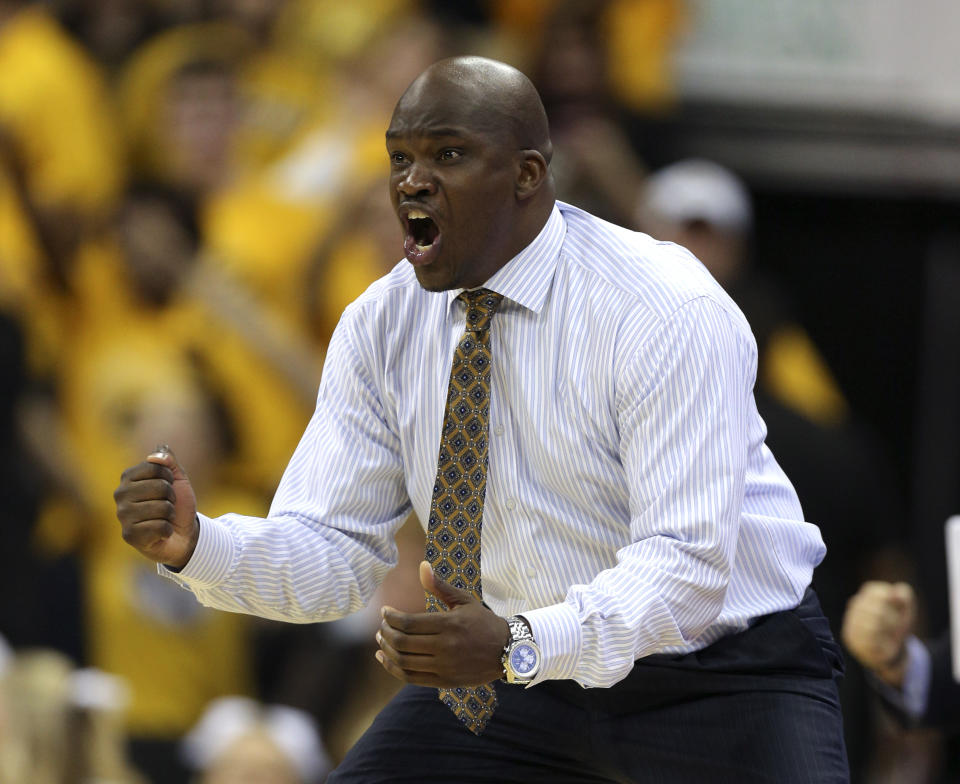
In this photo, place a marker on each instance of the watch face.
(524, 659)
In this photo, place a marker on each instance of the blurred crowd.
(190, 193)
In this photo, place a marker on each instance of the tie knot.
(481, 305)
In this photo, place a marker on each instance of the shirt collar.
(526, 278)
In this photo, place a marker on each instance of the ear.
(531, 174)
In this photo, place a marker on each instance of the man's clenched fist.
(158, 510)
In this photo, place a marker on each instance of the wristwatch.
(521, 654)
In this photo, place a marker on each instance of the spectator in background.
(594, 162)
(634, 41)
(878, 630)
(915, 679)
(239, 740)
(56, 187)
(61, 725)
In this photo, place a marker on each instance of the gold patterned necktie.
(456, 512)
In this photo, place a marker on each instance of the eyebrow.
(433, 133)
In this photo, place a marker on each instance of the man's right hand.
(158, 510)
(876, 625)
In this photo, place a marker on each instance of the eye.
(398, 158)
(449, 154)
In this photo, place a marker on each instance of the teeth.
(417, 214)
(422, 247)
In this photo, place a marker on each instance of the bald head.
(486, 95)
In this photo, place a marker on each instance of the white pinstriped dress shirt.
(631, 507)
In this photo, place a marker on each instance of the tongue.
(415, 254)
(418, 254)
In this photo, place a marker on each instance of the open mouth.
(423, 237)
(422, 228)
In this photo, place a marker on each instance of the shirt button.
(511, 503)
(531, 572)
(498, 430)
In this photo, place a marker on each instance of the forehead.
(436, 109)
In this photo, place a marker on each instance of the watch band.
(519, 630)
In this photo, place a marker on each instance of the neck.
(536, 218)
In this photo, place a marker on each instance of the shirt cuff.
(212, 560)
(556, 630)
(912, 696)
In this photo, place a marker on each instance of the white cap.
(92, 689)
(696, 189)
(229, 718)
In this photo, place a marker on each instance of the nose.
(416, 181)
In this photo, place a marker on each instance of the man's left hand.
(460, 647)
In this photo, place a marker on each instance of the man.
(597, 418)
(915, 680)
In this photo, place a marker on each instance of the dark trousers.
(759, 706)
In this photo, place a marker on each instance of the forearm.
(630, 611)
(910, 696)
(284, 568)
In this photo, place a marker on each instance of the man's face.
(453, 186)
(201, 113)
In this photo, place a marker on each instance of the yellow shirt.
(54, 103)
(54, 99)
